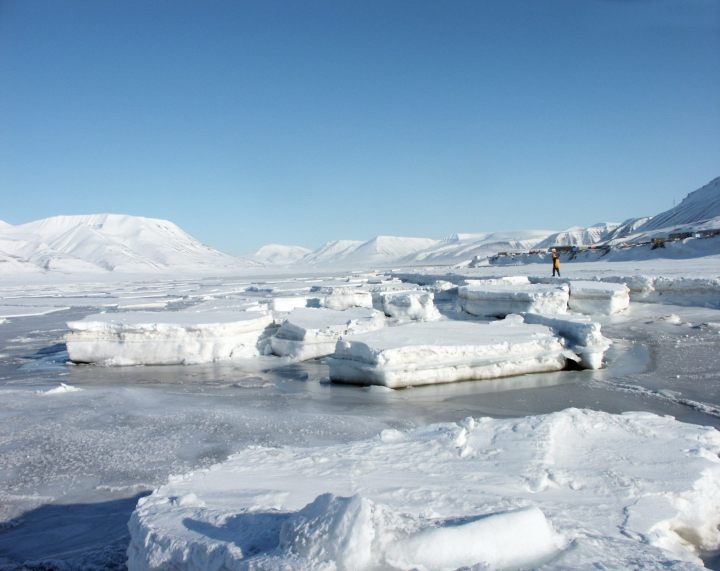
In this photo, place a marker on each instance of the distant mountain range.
(99, 243)
(701, 209)
(102, 243)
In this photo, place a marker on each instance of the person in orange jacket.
(555, 262)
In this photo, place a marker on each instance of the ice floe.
(434, 352)
(409, 305)
(342, 297)
(583, 335)
(598, 297)
(308, 333)
(498, 298)
(572, 489)
(182, 337)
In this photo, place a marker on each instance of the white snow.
(575, 489)
(285, 304)
(182, 337)
(598, 297)
(62, 388)
(425, 353)
(678, 290)
(500, 299)
(308, 333)
(340, 298)
(108, 242)
(409, 305)
(583, 335)
(9, 311)
(698, 206)
(280, 254)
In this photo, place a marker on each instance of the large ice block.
(340, 298)
(598, 297)
(167, 338)
(446, 351)
(308, 333)
(409, 305)
(501, 299)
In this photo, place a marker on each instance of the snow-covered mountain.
(578, 236)
(107, 242)
(697, 207)
(280, 254)
(331, 253)
(380, 250)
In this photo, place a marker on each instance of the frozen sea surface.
(74, 462)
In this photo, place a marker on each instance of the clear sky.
(299, 122)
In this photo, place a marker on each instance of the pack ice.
(498, 298)
(575, 489)
(425, 353)
(167, 338)
(308, 333)
(342, 297)
(409, 305)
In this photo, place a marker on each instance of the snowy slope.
(388, 249)
(280, 254)
(463, 247)
(698, 206)
(109, 242)
(331, 252)
(578, 236)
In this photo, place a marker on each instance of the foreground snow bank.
(498, 298)
(167, 338)
(308, 333)
(598, 297)
(445, 352)
(572, 489)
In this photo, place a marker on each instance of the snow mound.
(308, 333)
(500, 299)
(582, 334)
(570, 490)
(60, 390)
(167, 338)
(598, 297)
(446, 351)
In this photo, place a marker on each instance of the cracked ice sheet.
(631, 490)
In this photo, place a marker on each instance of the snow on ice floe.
(583, 335)
(409, 305)
(498, 298)
(308, 333)
(598, 297)
(572, 489)
(435, 352)
(699, 291)
(340, 298)
(153, 338)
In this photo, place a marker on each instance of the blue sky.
(300, 122)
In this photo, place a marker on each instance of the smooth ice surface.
(445, 351)
(573, 489)
(166, 338)
(593, 297)
(308, 333)
(498, 299)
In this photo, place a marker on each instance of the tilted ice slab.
(575, 489)
(598, 297)
(446, 351)
(583, 335)
(308, 333)
(167, 338)
(342, 297)
(409, 305)
(501, 299)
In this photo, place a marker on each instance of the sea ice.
(598, 297)
(498, 299)
(308, 333)
(340, 298)
(167, 338)
(575, 489)
(446, 351)
(409, 305)
(582, 334)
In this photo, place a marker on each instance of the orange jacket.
(556, 262)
